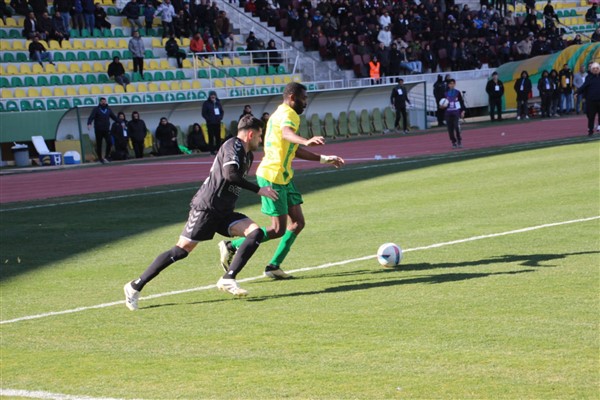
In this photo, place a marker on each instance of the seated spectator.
(116, 72)
(100, 18)
(230, 44)
(596, 35)
(38, 53)
(120, 138)
(591, 15)
(30, 26)
(149, 11)
(251, 42)
(260, 55)
(197, 44)
(274, 58)
(6, 11)
(45, 26)
(166, 135)
(131, 11)
(60, 32)
(524, 46)
(173, 51)
(196, 140)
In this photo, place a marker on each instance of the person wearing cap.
(212, 112)
(591, 91)
(495, 91)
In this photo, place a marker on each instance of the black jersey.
(218, 193)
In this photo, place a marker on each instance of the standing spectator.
(550, 15)
(101, 116)
(578, 80)
(60, 32)
(131, 11)
(120, 138)
(399, 98)
(6, 11)
(77, 16)
(439, 92)
(591, 15)
(173, 51)
(137, 134)
(525, 46)
(64, 7)
(137, 49)
(38, 7)
(545, 88)
(247, 111)
(212, 112)
(523, 89)
(556, 94)
(38, 53)
(116, 71)
(566, 86)
(591, 91)
(375, 71)
(428, 59)
(385, 36)
(495, 91)
(454, 111)
(100, 18)
(166, 12)
(195, 139)
(166, 135)
(230, 45)
(596, 35)
(88, 14)
(149, 11)
(273, 56)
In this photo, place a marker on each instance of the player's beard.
(298, 108)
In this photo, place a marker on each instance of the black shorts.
(203, 224)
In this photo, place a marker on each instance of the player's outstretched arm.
(308, 155)
(268, 191)
(290, 135)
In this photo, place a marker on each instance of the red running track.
(48, 182)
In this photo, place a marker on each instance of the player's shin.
(284, 248)
(236, 243)
(161, 262)
(245, 251)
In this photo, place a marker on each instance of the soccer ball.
(444, 103)
(389, 255)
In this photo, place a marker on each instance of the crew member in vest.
(455, 109)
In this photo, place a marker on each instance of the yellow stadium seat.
(278, 80)
(287, 79)
(237, 61)
(258, 81)
(37, 69)
(175, 85)
(109, 89)
(90, 45)
(54, 45)
(12, 23)
(164, 64)
(227, 62)
(196, 84)
(185, 42)
(7, 94)
(99, 67)
(45, 92)
(218, 83)
(94, 89)
(11, 69)
(77, 44)
(185, 85)
(152, 87)
(156, 42)
(268, 80)
(122, 42)
(186, 63)
(66, 45)
(86, 68)
(71, 91)
(217, 62)
(154, 65)
(83, 91)
(119, 88)
(19, 92)
(18, 45)
(74, 68)
(164, 87)
(142, 87)
(112, 44)
(50, 69)
(5, 45)
(25, 69)
(33, 92)
(58, 91)
(248, 81)
(62, 68)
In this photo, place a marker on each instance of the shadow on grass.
(37, 237)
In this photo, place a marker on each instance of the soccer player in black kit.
(212, 211)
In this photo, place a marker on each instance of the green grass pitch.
(513, 316)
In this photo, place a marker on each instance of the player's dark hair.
(452, 81)
(248, 122)
(293, 88)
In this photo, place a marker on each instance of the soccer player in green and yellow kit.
(281, 146)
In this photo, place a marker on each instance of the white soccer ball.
(389, 255)
(444, 103)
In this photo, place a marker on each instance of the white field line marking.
(47, 395)
(378, 164)
(327, 265)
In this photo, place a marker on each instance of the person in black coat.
(120, 137)
(212, 112)
(101, 116)
(116, 71)
(439, 92)
(545, 88)
(399, 98)
(166, 135)
(173, 51)
(195, 139)
(495, 91)
(137, 134)
(523, 89)
(591, 91)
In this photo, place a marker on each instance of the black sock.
(243, 254)
(161, 262)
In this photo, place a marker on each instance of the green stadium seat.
(42, 81)
(51, 104)
(343, 124)
(136, 99)
(82, 56)
(74, 33)
(112, 11)
(169, 76)
(202, 74)
(104, 55)
(135, 77)
(2, 109)
(170, 97)
(389, 118)
(252, 71)
(89, 101)
(90, 79)
(70, 56)
(202, 95)
(264, 90)
(118, 32)
(3, 34)
(191, 95)
(112, 100)
(103, 78)
(147, 76)
(9, 58)
(4, 83)
(148, 54)
(303, 129)
(315, 125)
(64, 103)
(55, 80)
(39, 105)
(377, 121)
(97, 33)
(115, 53)
(67, 80)
(85, 33)
(93, 56)
(12, 105)
(365, 123)
(329, 126)
(15, 81)
(14, 34)
(77, 102)
(242, 71)
(107, 33)
(271, 70)
(79, 80)
(25, 105)
(159, 98)
(22, 57)
(353, 127)
(158, 76)
(261, 71)
(58, 56)
(127, 55)
(214, 74)
(232, 72)
(179, 75)
(281, 70)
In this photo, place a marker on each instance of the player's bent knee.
(256, 235)
(177, 253)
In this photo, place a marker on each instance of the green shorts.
(288, 196)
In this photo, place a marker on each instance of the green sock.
(284, 248)
(236, 243)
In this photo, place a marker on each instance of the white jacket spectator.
(166, 11)
(385, 20)
(385, 36)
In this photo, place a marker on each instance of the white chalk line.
(58, 396)
(378, 164)
(326, 265)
